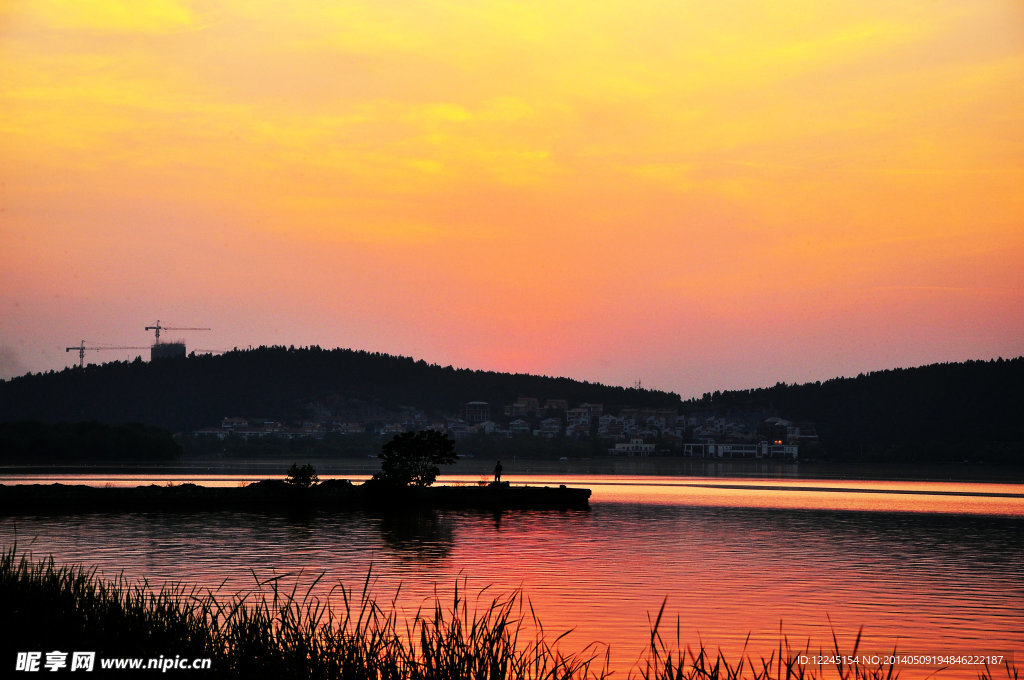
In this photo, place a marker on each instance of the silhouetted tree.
(412, 459)
(303, 476)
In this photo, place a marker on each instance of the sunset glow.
(697, 195)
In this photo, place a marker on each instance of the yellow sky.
(696, 194)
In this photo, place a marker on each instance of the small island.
(278, 495)
(409, 467)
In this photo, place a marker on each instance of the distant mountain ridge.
(953, 411)
(970, 410)
(287, 383)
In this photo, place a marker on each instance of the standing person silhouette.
(497, 473)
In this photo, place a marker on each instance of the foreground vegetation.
(289, 634)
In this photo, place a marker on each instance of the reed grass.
(291, 633)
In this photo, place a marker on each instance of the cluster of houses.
(630, 432)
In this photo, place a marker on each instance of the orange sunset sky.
(698, 194)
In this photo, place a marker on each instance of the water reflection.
(421, 535)
(929, 582)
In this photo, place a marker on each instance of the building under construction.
(166, 350)
(158, 350)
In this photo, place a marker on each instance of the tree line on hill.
(186, 393)
(942, 412)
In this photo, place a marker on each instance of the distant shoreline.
(657, 466)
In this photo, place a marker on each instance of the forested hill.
(952, 411)
(939, 412)
(284, 383)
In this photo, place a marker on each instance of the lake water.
(925, 567)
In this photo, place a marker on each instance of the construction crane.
(81, 349)
(159, 328)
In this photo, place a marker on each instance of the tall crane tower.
(159, 328)
(81, 349)
(168, 350)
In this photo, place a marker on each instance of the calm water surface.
(926, 567)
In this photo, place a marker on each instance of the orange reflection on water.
(987, 498)
(809, 494)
